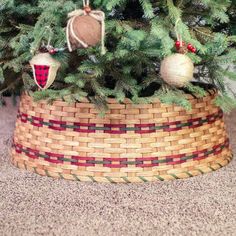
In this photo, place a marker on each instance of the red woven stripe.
(24, 118)
(217, 152)
(32, 153)
(37, 125)
(57, 122)
(50, 154)
(57, 125)
(37, 121)
(57, 128)
(84, 130)
(175, 162)
(85, 124)
(84, 127)
(115, 131)
(37, 118)
(18, 148)
(112, 128)
(142, 128)
(120, 128)
(115, 125)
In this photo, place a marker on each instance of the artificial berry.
(87, 9)
(177, 44)
(52, 51)
(194, 50)
(190, 47)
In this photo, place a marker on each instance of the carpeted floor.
(35, 205)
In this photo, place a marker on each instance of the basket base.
(174, 174)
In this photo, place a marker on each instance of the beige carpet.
(34, 205)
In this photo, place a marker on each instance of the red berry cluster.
(190, 47)
(50, 50)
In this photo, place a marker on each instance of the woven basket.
(133, 143)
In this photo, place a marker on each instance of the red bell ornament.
(44, 69)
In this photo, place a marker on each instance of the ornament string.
(180, 44)
(98, 15)
(86, 3)
(50, 36)
(48, 46)
(178, 35)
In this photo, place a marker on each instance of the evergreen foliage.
(139, 34)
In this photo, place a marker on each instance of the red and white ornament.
(44, 69)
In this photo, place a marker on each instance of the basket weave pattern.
(132, 143)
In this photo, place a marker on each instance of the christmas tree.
(139, 35)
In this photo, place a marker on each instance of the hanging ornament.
(85, 28)
(177, 69)
(44, 69)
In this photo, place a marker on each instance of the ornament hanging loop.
(50, 36)
(180, 45)
(87, 7)
(178, 35)
(86, 3)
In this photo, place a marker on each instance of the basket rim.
(209, 93)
